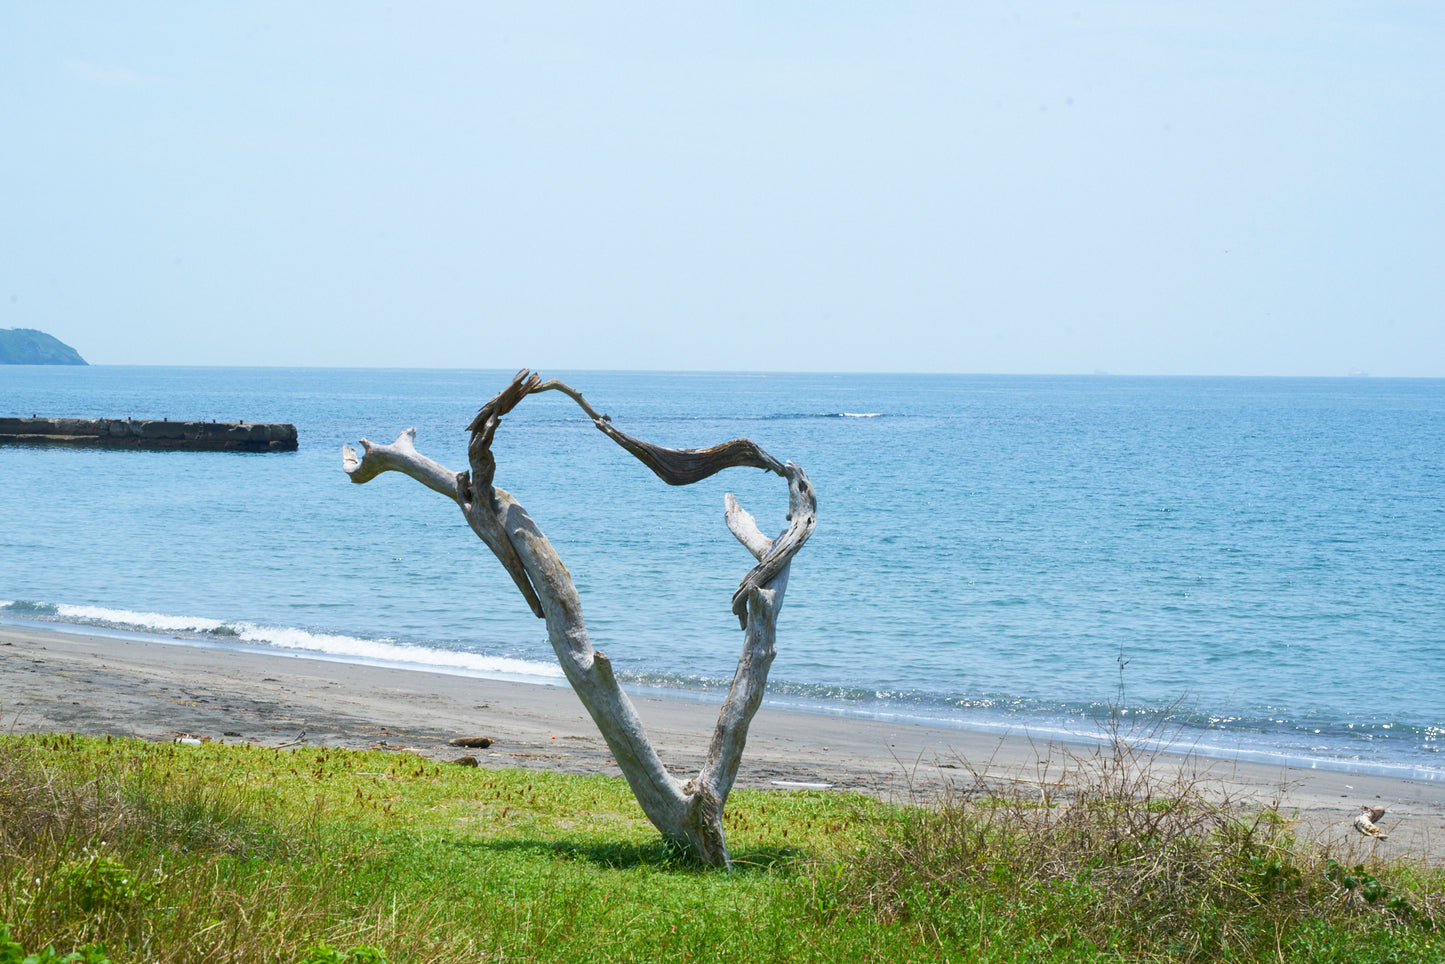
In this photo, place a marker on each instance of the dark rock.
(471, 742)
(467, 761)
(150, 434)
(157, 430)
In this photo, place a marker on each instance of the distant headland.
(27, 346)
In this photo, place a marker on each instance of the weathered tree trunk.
(689, 813)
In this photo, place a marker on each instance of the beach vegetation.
(13, 952)
(1147, 866)
(138, 851)
(324, 954)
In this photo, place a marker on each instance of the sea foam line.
(333, 645)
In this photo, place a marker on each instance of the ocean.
(1247, 567)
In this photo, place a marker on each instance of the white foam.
(860, 414)
(388, 651)
(147, 621)
(334, 645)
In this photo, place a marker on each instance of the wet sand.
(54, 681)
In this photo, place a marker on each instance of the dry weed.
(1158, 859)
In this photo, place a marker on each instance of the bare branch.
(745, 527)
(686, 466)
(484, 427)
(556, 386)
(590, 672)
(673, 466)
(483, 514)
(489, 416)
(400, 456)
(803, 516)
(725, 752)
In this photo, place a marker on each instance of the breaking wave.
(290, 639)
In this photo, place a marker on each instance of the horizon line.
(1355, 374)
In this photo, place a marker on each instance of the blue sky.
(1141, 188)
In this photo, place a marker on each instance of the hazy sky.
(1153, 187)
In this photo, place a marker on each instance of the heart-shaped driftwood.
(688, 812)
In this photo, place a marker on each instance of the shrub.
(12, 953)
(97, 883)
(322, 954)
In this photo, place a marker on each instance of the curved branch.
(400, 456)
(745, 695)
(761, 596)
(803, 518)
(555, 385)
(686, 466)
(489, 416)
(483, 515)
(484, 427)
(673, 466)
(745, 527)
(590, 672)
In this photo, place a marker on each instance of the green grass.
(166, 852)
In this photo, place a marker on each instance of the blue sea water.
(1258, 562)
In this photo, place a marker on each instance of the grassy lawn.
(168, 852)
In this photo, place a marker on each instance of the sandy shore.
(93, 684)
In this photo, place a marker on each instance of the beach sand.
(74, 682)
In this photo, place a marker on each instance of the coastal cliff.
(128, 433)
(27, 346)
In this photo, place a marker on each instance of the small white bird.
(1365, 822)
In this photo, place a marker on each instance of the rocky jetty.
(127, 433)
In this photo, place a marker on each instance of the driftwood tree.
(690, 812)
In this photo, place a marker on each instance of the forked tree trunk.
(690, 812)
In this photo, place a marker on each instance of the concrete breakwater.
(128, 433)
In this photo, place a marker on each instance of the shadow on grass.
(659, 855)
